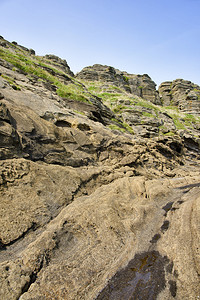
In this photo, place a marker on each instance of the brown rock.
(88, 212)
(182, 93)
(140, 85)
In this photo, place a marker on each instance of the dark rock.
(142, 279)
(59, 63)
(32, 52)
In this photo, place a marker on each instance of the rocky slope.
(99, 182)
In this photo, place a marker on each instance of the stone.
(32, 52)
(182, 93)
(140, 85)
(60, 63)
(97, 202)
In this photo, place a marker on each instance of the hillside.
(100, 182)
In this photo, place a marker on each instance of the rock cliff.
(140, 85)
(182, 93)
(99, 182)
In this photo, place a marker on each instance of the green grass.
(73, 91)
(147, 104)
(178, 123)
(146, 114)
(170, 133)
(115, 127)
(191, 118)
(119, 108)
(172, 107)
(128, 128)
(126, 78)
(125, 125)
(11, 81)
(79, 112)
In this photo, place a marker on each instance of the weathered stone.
(182, 93)
(88, 212)
(140, 85)
(59, 63)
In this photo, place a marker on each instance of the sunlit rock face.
(182, 93)
(99, 183)
(140, 85)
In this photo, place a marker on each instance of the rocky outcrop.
(182, 93)
(59, 63)
(97, 202)
(140, 85)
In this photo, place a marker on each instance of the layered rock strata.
(97, 202)
(140, 85)
(182, 93)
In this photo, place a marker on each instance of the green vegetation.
(191, 118)
(40, 68)
(79, 112)
(116, 88)
(125, 78)
(119, 108)
(128, 128)
(106, 96)
(177, 121)
(11, 81)
(26, 64)
(71, 91)
(183, 120)
(125, 127)
(179, 124)
(172, 107)
(147, 104)
(115, 127)
(146, 114)
(170, 133)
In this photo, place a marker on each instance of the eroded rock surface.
(91, 211)
(140, 85)
(181, 93)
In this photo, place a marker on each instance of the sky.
(155, 37)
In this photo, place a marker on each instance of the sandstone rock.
(88, 212)
(110, 231)
(182, 93)
(140, 85)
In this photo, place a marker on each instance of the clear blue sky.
(157, 37)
